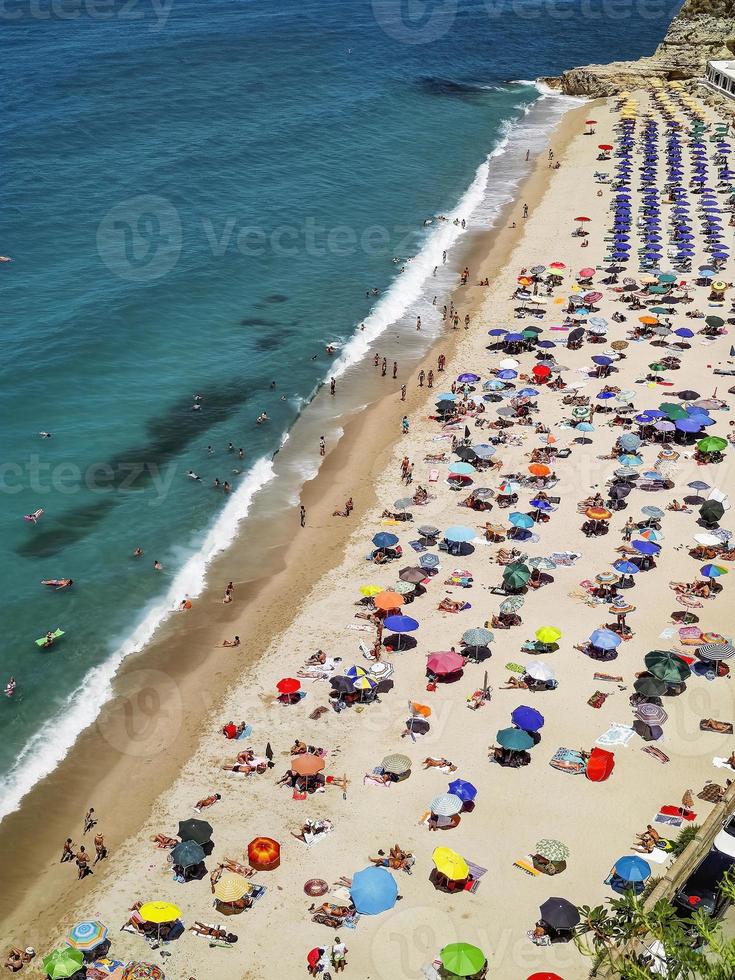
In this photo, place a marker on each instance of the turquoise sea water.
(196, 197)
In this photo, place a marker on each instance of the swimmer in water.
(157, 565)
(10, 688)
(138, 553)
(45, 435)
(192, 475)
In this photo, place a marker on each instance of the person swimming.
(59, 583)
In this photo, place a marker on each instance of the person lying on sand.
(312, 829)
(701, 589)
(431, 763)
(382, 778)
(451, 605)
(514, 682)
(334, 911)
(17, 958)
(215, 932)
(208, 801)
(162, 841)
(397, 859)
(231, 643)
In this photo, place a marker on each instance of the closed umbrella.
(187, 854)
(373, 890)
(559, 913)
(514, 739)
(446, 805)
(462, 959)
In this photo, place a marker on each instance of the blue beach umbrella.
(520, 520)
(373, 890)
(459, 533)
(647, 547)
(464, 790)
(400, 624)
(605, 639)
(527, 719)
(462, 469)
(712, 571)
(468, 378)
(632, 868)
(626, 567)
(384, 539)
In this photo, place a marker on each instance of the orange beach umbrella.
(388, 600)
(539, 469)
(264, 853)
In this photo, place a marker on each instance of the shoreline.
(117, 749)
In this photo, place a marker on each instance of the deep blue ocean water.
(196, 197)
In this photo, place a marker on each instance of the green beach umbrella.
(63, 962)
(666, 666)
(462, 960)
(712, 444)
(514, 739)
(552, 850)
(672, 411)
(516, 575)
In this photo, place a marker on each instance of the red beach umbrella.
(288, 685)
(545, 976)
(541, 371)
(264, 853)
(604, 146)
(557, 265)
(586, 273)
(590, 122)
(445, 662)
(582, 219)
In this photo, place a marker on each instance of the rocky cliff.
(703, 30)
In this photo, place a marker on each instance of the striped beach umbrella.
(716, 651)
(396, 764)
(231, 888)
(86, 935)
(446, 805)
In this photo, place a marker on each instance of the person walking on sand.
(441, 361)
(67, 852)
(89, 820)
(403, 393)
(383, 367)
(418, 322)
(430, 379)
(422, 376)
(332, 386)
(628, 529)
(525, 210)
(405, 425)
(83, 863)
(339, 955)
(322, 446)
(395, 369)
(100, 849)
(302, 515)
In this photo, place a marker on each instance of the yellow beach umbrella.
(548, 634)
(370, 590)
(450, 864)
(231, 888)
(159, 912)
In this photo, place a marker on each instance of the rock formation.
(702, 31)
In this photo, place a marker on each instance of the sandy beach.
(158, 747)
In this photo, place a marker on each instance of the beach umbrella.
(462, 469)
(400, 624)
(388, 600)
(606, 578)
(711, 511)
(404, 588)
(288, 685)
(527, 719)
(516, 575)
(197, 830)
(464, 790)
(429, 561)
(666, 666)
(478, 636)
(462, 959)
(552, 850)
(159, 912)
(187, 854)
(63, 962)
(598, 513)
(373, 890)
(605, 639)
(651, 714)
(542, 563)
(428, 530)
(264, 853)
(626, 567)
(450, 864)
(383, 539)
(231, 888)
(412, 574)
(342, 685)
(711, 444)
(512, 604)
(468, 378)
(446, 805)
(548, 634)
(520, 520)
(87, 935)
(539, 469)
(507, 488)
(716, 651)
(632, 868)
(446, 662)
(650, 687)
(559, 913)
(539, 671)
(545, 976)
(712, 571)
(307, 764)
(396, 764)
(403, 503)
(647, 547)
(655, 513)
(459, 533)
(514, 739)
(142, 971)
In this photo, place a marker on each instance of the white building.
(720, 77)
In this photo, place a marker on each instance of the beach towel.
(568, 760)
(515, 668)
(417, 547)
(597, 699)
(359, 627)
(656, 754)
(597, 676)
(711, 793)
(657, 856)
(616, 734)
(526, 867)
(676, 811)
(433, 476)
(668, 819)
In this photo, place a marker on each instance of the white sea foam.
(54, 739)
